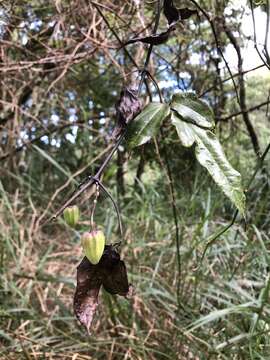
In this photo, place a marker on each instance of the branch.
(230, 78)
(255, 36)
(227, 118)
(242, 91)
(46, 133)
(89, 181)
(148, 56)
(217, 44)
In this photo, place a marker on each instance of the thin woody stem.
(103, 188)
(94, 207)
(217, 44)
(89, 181)
(149, 52)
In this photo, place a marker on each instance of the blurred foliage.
(61, 72)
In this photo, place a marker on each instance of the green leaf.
(210, 154)
(184, 131)
(193, 110)
(208, 151)
(147, 124)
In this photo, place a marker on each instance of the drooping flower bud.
(93, 244)
(72, 215)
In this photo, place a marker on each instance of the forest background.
(62, 67)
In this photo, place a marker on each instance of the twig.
(89, 181)
(94, 207)
(103, 188)
(114, 33)
(149, 52)
(49, 131)
(255, 36)
(217, 44)
(230, 78)
(122, 46)
(253, 108)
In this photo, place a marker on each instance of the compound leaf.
(193, 121)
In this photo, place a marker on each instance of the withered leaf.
(115, 280)
(170, 11)
(127, 107)
(156, 39)
(173, 14)
(109, 272)
(89, 281)
(186, 13)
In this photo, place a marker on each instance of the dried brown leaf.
(110, 272)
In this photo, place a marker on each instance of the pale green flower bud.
(72, 215)
(93, 244)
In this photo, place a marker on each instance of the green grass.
(223, 312)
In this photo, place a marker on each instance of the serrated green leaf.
(147, 124)
(193, 110)
(210, 154)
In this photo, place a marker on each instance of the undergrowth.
(223, 308)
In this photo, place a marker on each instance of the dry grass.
(223, 310)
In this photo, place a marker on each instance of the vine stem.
(227, 227)
(103, 188)
(91, 180)
(149, 52)
(166, 165)
(94, 208)
(166, 158)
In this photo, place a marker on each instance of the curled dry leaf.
(170, 12)
(115, 280)
(186, 13)
(173, 14)
(156, 39)
(109, 272)
(127, 107)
